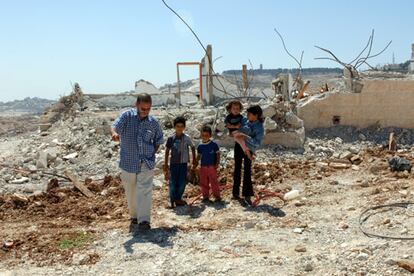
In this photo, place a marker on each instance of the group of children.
(248, 135)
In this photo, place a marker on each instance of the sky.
(106, 46)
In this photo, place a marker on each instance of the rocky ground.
(50, 228)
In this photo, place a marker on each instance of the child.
(209, 153)
(234, 120)
(252, 135)
(178, 144)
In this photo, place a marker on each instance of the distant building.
(411, 66)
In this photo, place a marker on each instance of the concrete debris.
(399, 164)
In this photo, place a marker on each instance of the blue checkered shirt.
(139, 139)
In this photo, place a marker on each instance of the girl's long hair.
(256, 110)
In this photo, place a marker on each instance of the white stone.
(269, 124)
(70, 156)
(293, 120)
(20, 180)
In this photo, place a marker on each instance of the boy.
(208, 152)
(178, 144)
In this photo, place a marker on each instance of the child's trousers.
(178, 180)
(208, 177)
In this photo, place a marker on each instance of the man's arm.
(159, 138)
(119, 125)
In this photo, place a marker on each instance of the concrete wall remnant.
(388, 103)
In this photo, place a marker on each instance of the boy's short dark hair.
(144, 98)
(230, 104)
(179, 120)
(206, 129)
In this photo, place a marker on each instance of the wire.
(371, 234)
(204, 48)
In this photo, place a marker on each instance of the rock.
(19, 199)
(390, 261)
(365, 183)
(308, 267)
(362, 137)
(334, 182)
(70, 156)
(298, 230)
(157, 183)
(399, 164)
(337, 165)
(362, 256)
(269, 111)
(80, 259)
(249, 225)
(300, 248)
(356, 159)
(343, 225)
(41, 160)
(312, 145)
(353, 149)
(293, 120)
(20, 180)
(269, 124)
(355, 168)
(338, 140)
(345, 155)
(44, 127)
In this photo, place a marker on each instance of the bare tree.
(362, 58)
(298, 79)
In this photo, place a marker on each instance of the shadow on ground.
(160, 236)
(266, 208)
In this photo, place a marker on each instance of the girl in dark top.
(252, 135)
(234, 120)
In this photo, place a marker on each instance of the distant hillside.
(28, 105)
(274, 72)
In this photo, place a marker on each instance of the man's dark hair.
(144, 98)
(179, 120)
(256, 110)
(206, 129)
(235, 102)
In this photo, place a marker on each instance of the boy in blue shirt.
(179, 145)
(209, 154)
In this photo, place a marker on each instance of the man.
(140, 136)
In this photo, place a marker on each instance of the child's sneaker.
(248, 201)
(206, 200)
(180, 202)
(218, 200)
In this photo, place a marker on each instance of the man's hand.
(115, 137)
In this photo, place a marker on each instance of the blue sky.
(107, 45)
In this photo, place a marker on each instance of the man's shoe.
(134, 221)
(144, 225)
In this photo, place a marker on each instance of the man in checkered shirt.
(140, 136)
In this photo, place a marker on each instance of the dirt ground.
(64, 232)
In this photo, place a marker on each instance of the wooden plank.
(392, 144)
(84, 190)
